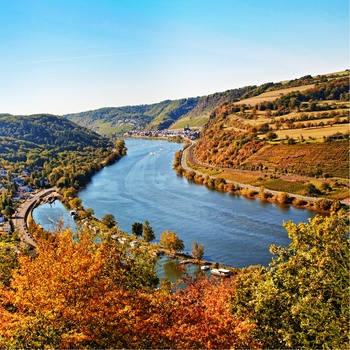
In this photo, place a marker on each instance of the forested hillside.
(89, 289)
(54, 150)
(49, 130)
(158, 116)
(118, 120)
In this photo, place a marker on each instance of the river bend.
(235, 231)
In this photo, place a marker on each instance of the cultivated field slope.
(327, 159)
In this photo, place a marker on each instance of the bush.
(299, 202)
(323, 204)
(282, 198)
(248, 192)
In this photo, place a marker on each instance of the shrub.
(248, 192)
(282, 198)
(299, 202)
(323, 204)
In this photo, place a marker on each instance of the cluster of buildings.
(185, 133)
(24, 192)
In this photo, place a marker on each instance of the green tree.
(63, 182)
(69, 193)
(75, 203)
(271, 136)
(197, 251)
(109, 220)
(311, 190)
(302, 300)
(137, 229)
(170, 240)
(148, 233)
(89, 212)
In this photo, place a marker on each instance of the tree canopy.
(170, 240)
(302, 299)
(79, 292)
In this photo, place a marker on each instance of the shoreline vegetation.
(212, 177)
(85, 219)
(183, 167)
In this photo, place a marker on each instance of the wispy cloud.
(74, 58)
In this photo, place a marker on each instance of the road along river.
(235, 231)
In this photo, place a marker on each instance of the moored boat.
(220, 272)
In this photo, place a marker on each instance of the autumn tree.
(79, 292)
(9, 251)
(302, 299)
(199, 317)
(197, 251)
(109, 220)
(75, 203)
(148, 233)
(76, 292)
(170, 240)
(89, 212)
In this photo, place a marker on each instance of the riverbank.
(235, 231)
(187, 166)
(22, 218)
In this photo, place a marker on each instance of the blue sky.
(66, 56)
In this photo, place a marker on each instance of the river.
(235, 231)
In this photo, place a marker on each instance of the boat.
(135, 244)
(74, 214)
(205, 267)
(152, 152)
(220, 272)
(184, 262)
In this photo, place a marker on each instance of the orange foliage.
(200, 317)
(77, 293)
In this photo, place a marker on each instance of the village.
(185, 133)
(21, 191)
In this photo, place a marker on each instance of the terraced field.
(331, 158)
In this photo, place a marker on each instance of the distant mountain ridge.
(157, 116)
(194, 111)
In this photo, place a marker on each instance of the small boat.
(205, 267)
(184, 262)
(152, 152)
(135, 244)
(220, 272)
(74, 214)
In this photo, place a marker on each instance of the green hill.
(195, 111)
(170, 114)
(49, 130)
(36, 139)
(119, 120)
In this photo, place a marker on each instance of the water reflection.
(171, 269)
(49, 215)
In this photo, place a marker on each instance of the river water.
(143, 186)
